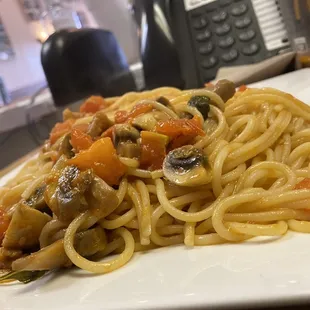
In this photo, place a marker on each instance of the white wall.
(114, 15)
(25, 68)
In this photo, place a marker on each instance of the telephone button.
(230, 56)
(206, 48)
(247, 35)
(243, 22)
(222, 30)
(219, 17)
(200, 23)
(239, 10)
(251, 49)
(203, 36)
(210, 62)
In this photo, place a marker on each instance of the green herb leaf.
(22, 276)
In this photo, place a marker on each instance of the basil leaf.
(22, 276)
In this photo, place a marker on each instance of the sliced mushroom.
(59, 165)
(65, 147)
(25, 228)
(48, 258)
(145, 121)
(165, 101)
(225, 89)
(36, 199)
(53, 256)
(187, 166)
(66, 195)
(148, 121)
(7, 256)
(124, 133)
(68, 114)
(91, 241)
(201, 103)
(125, 139)
(103, 199)
(99, 124)
(74, 192)
(128, 149)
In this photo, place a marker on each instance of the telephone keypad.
(225, 33)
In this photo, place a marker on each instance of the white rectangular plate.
(258, 272)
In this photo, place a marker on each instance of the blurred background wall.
(25, 68)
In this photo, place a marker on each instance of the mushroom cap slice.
(54, 256)
(225, 89)
(187, 166)
(124, 133)
(25, 228)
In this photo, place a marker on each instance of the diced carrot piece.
(102, 158)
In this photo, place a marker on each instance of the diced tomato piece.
(242, 88)
(60, 129)
(123, 116)
(93, 104)
(176, 127)
(304, 184)
(180, 131)
(153, 150)
(80, 140)
(209, 85)
(108, 132)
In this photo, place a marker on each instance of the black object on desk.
(80, 63)
(4, 94)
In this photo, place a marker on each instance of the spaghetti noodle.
(158, 168)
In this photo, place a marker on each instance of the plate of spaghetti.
(165, 198)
